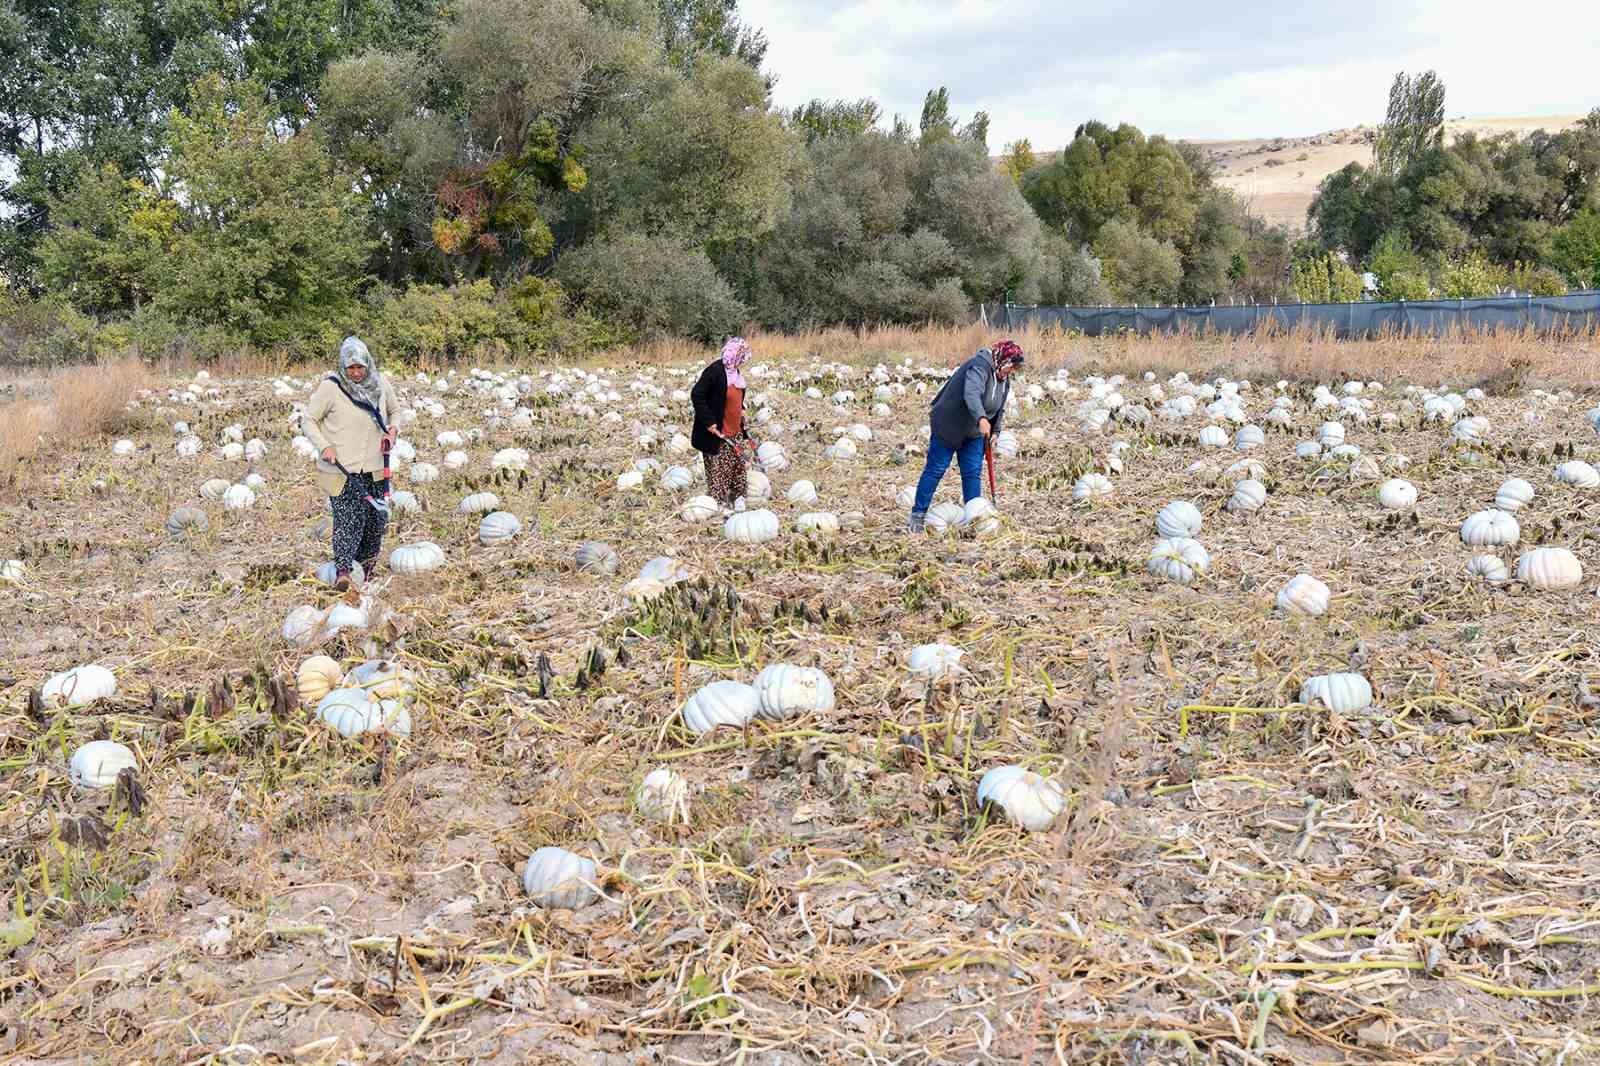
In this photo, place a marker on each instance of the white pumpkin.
(1397, 494)
(630, 480)
(1006, 444)
(514, 460)
(1490, 529)
(556, 878)
(497, 527)
(1031, 801)
(123, 448)
(785, 691)
(328, 573)
(1091, 487)
(802, 494)
(1249, 437)
(1213, 437)
(643, 589)
(1545, 569)
(817, 522)
(455, 459)
(317, 676)
(596, 557)
(213, 488)
(232, 451)
(13, 571)
(1304, 595)
(1179, 559)
(665, 569)
(382, 679)
(184, 519)
(79, 687)
(1341, 693)
(1248, 496)
(843, 449)
(757, 485)
(751, 527)
(419, 558)
(1330, 434)
(403, 502)
(676, 478)
(422, 473)
(700, 509)
(97, 763)
(771, 457)
(302, 624)
(1514, 495)
(255, 449)
(943, 516)
(663, 796)
(721, 703)
(353, 712)
(1489, 568)
(479, 503)
(980, 516)
(934, 661)
(1178, 519)
(1578, 474)
(239, 498)
(1307, 449)
(187, 447)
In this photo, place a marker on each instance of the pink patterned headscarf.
(735, 354)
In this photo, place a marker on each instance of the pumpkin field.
(1251, 723)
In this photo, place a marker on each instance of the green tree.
(111, 246)
(937, 121)
(825, 118)
(1326, 279)
(271, 239)
(1138, 268)
(1401, 273)
(692, 28)
(684, 297)
(1575, 249)
(1413, 126)
(1018, 160)
(1469, 277)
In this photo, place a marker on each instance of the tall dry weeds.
(82, 402)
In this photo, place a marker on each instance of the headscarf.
(353, 353)
(1006, 353)
(735, 354)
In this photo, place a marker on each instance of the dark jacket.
(710, 398)
(959, 404)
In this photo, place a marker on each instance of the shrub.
(431, 324)
(1537, 280)
(47, 332)
(1138, 267)
(1470, 277)
(648, 287)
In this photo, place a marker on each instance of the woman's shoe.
(341, 583)
(917, 523)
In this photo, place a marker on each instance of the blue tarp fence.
(1573, 313)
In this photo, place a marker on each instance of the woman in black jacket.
(718, 399)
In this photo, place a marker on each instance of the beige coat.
(332, 421)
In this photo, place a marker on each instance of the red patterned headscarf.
(1006, 353)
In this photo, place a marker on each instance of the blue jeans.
(970, 458)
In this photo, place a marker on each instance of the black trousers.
(357, 525)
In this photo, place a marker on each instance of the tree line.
(547, 175)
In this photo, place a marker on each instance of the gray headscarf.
(353, 353)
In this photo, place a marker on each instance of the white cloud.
(1255, 68)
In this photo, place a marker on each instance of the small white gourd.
(1178, 559)
(1091, 487)
(980, 517)
(1179, 518)
(751, 527)
(498, 527)
(802, 494)
(943, 516)
(97, 763)
(1491, 569)
(1029, 800)
(1248, 497)
(1304, 595)
(556, 878)
(1341, 692)
(214, 488)
(1248, 437)
(239, 498)
(663, 796)
(1514, 495)
(817, 522)
(479, 503)
(721, 703)
(934, 662)
(1490, 529)
(79, 687)
(382, 679)
(595, 557)
(1213, 437)
(785, 691)
(1397, 494)
(403, 502)
(419, 558)
(757, 485)
(422, 473)
(1578, 474)
(1546, 569)
(700, 509)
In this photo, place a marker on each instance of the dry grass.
(69, 406)
(1240, 878)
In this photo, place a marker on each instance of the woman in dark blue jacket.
(963, 415)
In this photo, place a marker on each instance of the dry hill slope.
(1279, 175)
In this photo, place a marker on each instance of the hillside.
(1279, 175)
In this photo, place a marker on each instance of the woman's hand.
(983, 427)
(330, 456)
(716, 431)
(388, 438)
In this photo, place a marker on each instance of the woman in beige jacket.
(348, 419)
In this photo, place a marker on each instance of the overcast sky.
(1230, 70)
